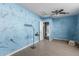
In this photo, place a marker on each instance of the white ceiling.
(44, 9)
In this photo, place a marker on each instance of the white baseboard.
(21, 49)
(59, 39)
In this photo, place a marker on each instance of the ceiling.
(44, 9)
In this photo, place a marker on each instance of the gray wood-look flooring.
(50, 48)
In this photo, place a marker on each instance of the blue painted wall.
(64, 28)
(13, 33)
(76, 38)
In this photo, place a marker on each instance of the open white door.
(41, 30)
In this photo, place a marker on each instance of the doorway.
(44, 30)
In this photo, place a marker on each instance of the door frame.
(42, 28)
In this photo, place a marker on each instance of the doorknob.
(37, 34)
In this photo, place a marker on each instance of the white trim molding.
(21, 49)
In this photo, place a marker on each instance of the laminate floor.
(50, 48)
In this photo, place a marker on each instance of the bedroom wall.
(13, 34)
(76, 38)
(64, 28)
